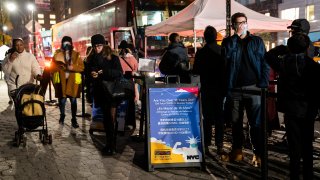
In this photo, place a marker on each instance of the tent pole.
(145, 46)
(195, 41)
(228, 18)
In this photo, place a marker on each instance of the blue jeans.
(252, 103)
(62, 105)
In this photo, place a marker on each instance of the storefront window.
(310, 12)
(291, 14)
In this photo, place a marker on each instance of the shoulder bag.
(118, 89)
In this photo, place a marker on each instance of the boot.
(61, 120)
(114, 128)
(114, 139)
(235, 155)
(256, 161)
(74, 123)
(109, 149)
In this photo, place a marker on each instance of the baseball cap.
(301, 25)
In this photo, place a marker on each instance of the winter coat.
(298, 79)
(210, 65)
(178, 53)
(232, 51)
(180, 50)
(111, 70)
(21, 71)
(67, 88)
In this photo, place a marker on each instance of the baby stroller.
(30, 113)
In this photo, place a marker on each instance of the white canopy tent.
(201, 13)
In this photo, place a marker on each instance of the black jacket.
(232, 51)
(210, 65)
(111, 71)
(298, 81)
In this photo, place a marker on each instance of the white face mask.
(245, 29)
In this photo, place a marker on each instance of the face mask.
(245, 29)
(67, 47)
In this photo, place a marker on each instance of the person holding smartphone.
(19, 66)
(103, 65)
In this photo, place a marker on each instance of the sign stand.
(174, 126)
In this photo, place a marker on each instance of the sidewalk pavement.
(75, 154)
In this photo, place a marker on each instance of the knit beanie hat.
(66, 38)
(97, 39)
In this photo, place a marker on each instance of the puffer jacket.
(232, 52)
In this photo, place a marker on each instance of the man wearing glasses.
(246, 70)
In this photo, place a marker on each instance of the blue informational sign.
(175, 128)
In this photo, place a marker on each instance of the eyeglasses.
(243, 22)
(98, 45)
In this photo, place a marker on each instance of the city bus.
(114, 20)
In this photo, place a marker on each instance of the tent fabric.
(202, 13)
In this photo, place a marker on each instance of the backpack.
(169, 63)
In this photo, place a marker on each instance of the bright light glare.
(11, 6)
(47, 64)
(30, 7)
(4, 28)
(84, 17)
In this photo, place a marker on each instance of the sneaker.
(256, 161)
(75, 125)
(10, 102)
(235, 155)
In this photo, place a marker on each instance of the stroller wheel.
(43, 139)
(40, 135)
(50, 139)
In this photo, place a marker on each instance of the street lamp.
(4, 28)
(31, 8)
(11, 6)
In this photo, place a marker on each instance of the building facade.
(269, 8)
(294, 9)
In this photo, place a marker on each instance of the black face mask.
(67, 47)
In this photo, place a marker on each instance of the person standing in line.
(66, 68)
(246, 69)
(298, 97)
(104, 66)
(129, 65)
(19, 66)
(176, 58)
(298, 26)
(210, 65)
